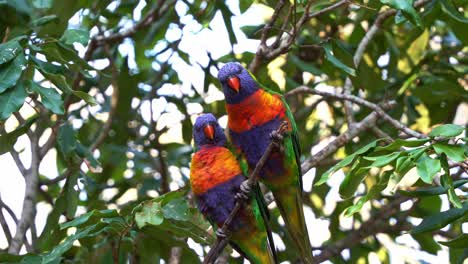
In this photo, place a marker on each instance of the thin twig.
(341, 140)
(358, 100)
(221, 242)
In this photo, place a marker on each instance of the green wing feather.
(294, 135)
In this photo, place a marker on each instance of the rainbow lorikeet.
(253, 114)
(215, 177)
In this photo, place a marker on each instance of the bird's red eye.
(209, 131)
(234, 83)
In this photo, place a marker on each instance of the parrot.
(254, 113)
(215, 179)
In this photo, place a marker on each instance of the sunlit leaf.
(448, 130)
(427, 168)
(75, 35)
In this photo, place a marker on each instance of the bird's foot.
(245, 189)
(220, 233)
(277, 139)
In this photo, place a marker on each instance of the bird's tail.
(254, 247)
(289, 202)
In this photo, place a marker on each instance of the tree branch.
(358, 100)
(344, 138)
(222, 241)
(29, 204)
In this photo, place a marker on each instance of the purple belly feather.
(253, 144)
(217, 203)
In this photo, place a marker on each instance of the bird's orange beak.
(234, 83)
(209, 131)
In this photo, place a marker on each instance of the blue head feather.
(199, 137)
(248, 85)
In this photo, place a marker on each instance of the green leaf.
(7, 141)
(335, 61)
(458, 242)
(42, 4)
(440, 220)
(9, 50)
(381, 161)
(44, 20)
(85, 153)
(403, 165)
(48, 67)
(50, 98)
(351, 181)
(373, 192)
(431, 191)
(12, 100)
(346, 161)
(151, 214)
(449, 8)
(11, 72)
(176, 209)
(447, 182)
(414, 53)
(454, 152)
(59, 250)
(448, 130)
(66, 139)
(90, 218)
(399, 143)
(407, 7)
(427, 243)
(427, 168)
(75, 35)
(86, 97)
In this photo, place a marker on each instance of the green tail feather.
(289, 203)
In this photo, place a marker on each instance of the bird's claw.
(221, 234)
(244, 192)
(277, 139)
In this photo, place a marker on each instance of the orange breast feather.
(255, 110)
(212, 166)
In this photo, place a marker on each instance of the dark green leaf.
(11, 72)
(9, 50)
(44, 20)
(459, 242)
(66, 138)
(50, 98)
(430, 191)
(427, 168)
(381, 161)
(448, 130)
(12, 100)
(7, 141)
(63, 247)
(335, 61)
(440, 220)
(42, 4)
(90, 218)
(86, 97)
(176, 209)
(449, 8)
(373, 192)
(75, 35)
(407, 7)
